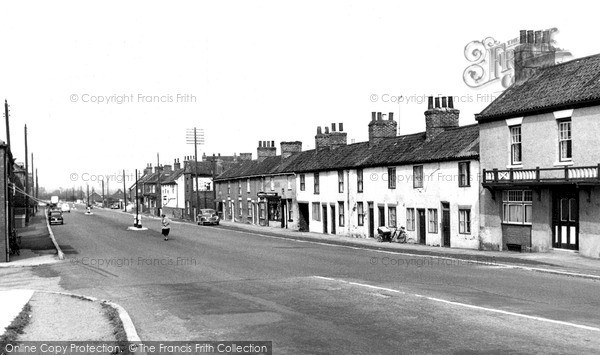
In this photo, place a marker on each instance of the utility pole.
(37, 185)
(26, 180)
(137, 215)
(33, 186)
(103, 193)
(158, 186)
(7, 124)
(192, 138)
(88, 195)
(124, 193)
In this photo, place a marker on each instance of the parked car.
(56, 217)
(65, 207)
(208, 216)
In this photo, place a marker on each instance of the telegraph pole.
(26, 180)
(7, 124)
(192, 138)
(124, 193)
(33, 187)
(103, 193)
(137, 216)
(88, 195)
(159, 188)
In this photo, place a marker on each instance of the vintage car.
(208, 216)
(55, 217)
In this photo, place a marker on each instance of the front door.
(565, 219)
(324, 219)
(303, 219)
(332, 208)
(381, 213)
(446, 224)
(421, 221)
(371, 221)
(283, 215)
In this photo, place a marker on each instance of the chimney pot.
(444, 104)
(378, 116)
(523, 36)
(437, 102)
(319, 130)
(391, 116)
(341, 126)
(326, 130)
(538, 37)
(430, 102)
(450, 102)
(373, 116)
(546, 37)
(260, 144)
(333, 127)
(272, 144)
(530, 36)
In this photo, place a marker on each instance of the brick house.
(540, 158)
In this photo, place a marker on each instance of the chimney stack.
(148, 169)
(289, 148)
(380, 129)
(333, 127)
(167, 168)
(176, 165)
(533, 52)
(265, 150)
(341, 127)
(373, 116)
(438, 119)
(331, 139)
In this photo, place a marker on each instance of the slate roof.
(204, 168)
(171, 177)
(452, 144)
(571, 84)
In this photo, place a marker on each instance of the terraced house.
(423, 181)
(540, 158)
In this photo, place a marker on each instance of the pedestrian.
(166, 226)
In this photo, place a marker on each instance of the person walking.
(166, 226)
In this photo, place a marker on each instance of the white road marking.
(541, 319)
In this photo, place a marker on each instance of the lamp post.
(195, 136)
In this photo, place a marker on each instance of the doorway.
(324, 212)
(421, 225)
(565, 219)
(446, 224)
(381, 215)
(371, 221)
(303, 221)
(283, 214)
(332, 208)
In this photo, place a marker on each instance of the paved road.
(210, 283)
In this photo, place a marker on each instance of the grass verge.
(118, 329)
(16, 327)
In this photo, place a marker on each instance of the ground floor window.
(341, 213)
(464, 221)
(392, 216)
(360, 208)
(410, 219)
(517, 206)
(274, 210)
(249, 207)
(433, 220)
(241, 208)
(316, 211)
(262, 209)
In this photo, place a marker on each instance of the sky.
(105, 86)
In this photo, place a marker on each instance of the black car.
(55, 217)
(208, 216)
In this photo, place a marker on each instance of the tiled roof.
(567, 85)
(452, 144)
(171, 177)
(204, 168)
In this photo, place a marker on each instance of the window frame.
(302, 182)
(316, 211)
(514, 144)
(432, 212)
(395, 217)
(410, 219)
(418, 171)
(568, 140)
(524, 205)
(464, 223)
(341, 214)
(467, 180)
(392, 177)
(360, 211)
(316, 184)
(359, 180)
(340, 181)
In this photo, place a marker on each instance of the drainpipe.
(348, 200)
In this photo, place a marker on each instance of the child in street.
(166, 226)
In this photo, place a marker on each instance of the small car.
(65, 207)
(208, 216)
(56, 217)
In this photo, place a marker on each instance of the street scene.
(286, 178)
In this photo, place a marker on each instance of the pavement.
(73, 316)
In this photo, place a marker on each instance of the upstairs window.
(417, 176)
(316, 184)
(391, 178)
(464, 174)
(564, 141)
(302, 182)
(515, 145)
(340, 181)
(359, 180)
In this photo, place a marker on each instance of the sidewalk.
(37, 247)
(51, 316)
(556, 261)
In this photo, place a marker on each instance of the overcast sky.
(252, 70)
